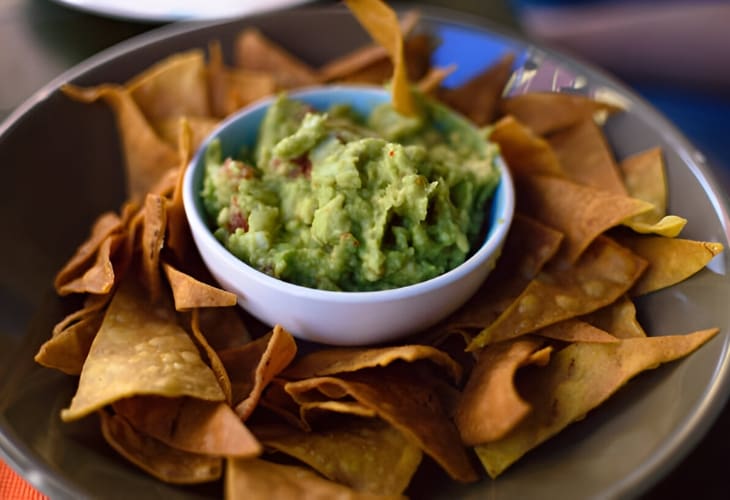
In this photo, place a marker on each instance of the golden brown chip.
(105, 225)
(190, 293)
(256, 479)
(400, 398)
(490, 405)
(148, 158)
(224, 328)
(310, 412)
(211, 356)
(477, 99)
(575, 330)
(358, 60)
(524, 152)
(619, 319)
(140, 349)
(604, 273)
(99, 278)
(580, 212)
(252, 366)
(432, 80)
(528, 247)
(368, 455)
(570, 386)
(586, 157)
(200, 127)
(156, 458)
(153, 239)
(173, 87)
(671, 260)
(67, 350)
(255, 52)
(231, 89)
(202, 427)
(381, 23)
(331, 361)
(645, 179)
(547, 112)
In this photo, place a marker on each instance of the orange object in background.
(14, 487)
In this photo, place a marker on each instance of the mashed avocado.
(342, 202)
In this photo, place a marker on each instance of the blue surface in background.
(701, 116)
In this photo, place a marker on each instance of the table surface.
(42, 39)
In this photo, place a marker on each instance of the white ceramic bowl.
(338, 318)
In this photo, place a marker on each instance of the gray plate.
(61, 167)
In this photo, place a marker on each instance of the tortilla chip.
(586, 157)
(645, 179)
(604, 273)
(192, 425)
(432, 80)
(490, 405)
(619, 319)
(331, 361)
(104, 226)
(231, 89)
(200, 127)
(547, 112)
(570, 386)
(477, 99)
(358, 60)
(190, 293)
(580, 212)
(157, 459)
(671, 260)
(575, 330)
(140, 349)
(401, 399)
(147, 157)
(524, 152)
(255, 479)
(224, 328)
(255, 52)
(211, 357)
(153, 239)
(99, 278)
(67, 350)
(310, 412)
(381, 23)
(252, 366)
(368, 455)
(529, 245)
(173, 87)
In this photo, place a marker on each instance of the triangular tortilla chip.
(580, 212)
(252, 366)
(477, 99)
(190, 293)
(575, 330)
(156, 458)
(400, 398)
(148, 158)
(490, 405)
(604, 273)
(525, 152)
(368, 455)
(547, 112)
(586, 157)
(618, 319)
(192, 425)
(140, 349)
(570, 386)
(671, 260)
(256, 479)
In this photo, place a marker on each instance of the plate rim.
(684, 439)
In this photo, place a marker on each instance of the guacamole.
(337, 201)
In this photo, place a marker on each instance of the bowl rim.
(496, 233)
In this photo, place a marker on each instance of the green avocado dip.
(338, 201)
